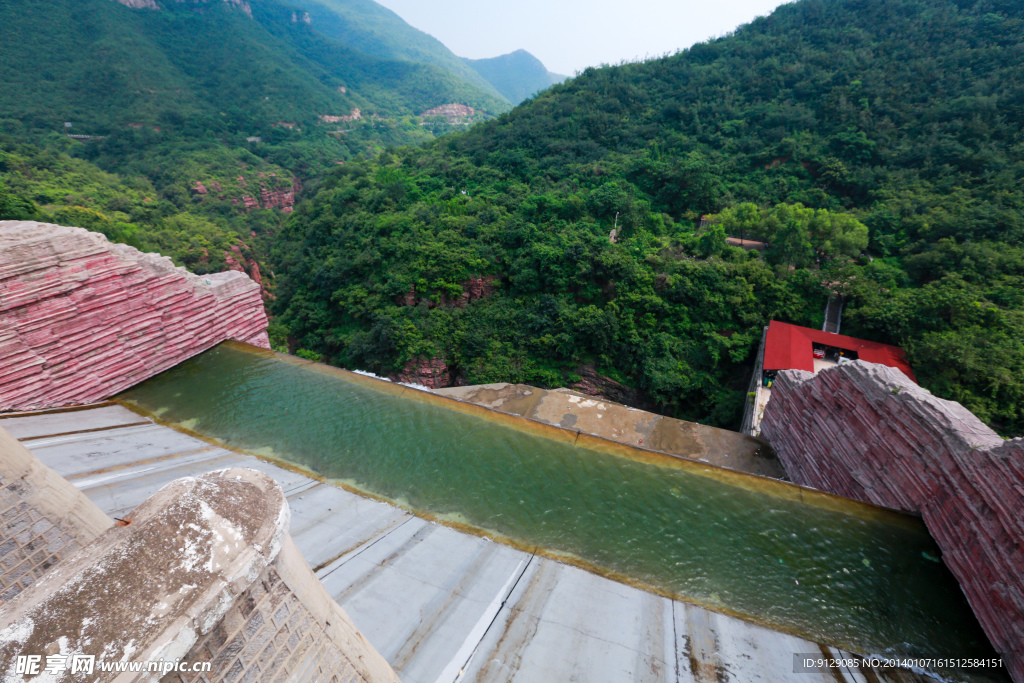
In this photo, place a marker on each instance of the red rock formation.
(232, 263)
(82, 319)
(255, 275)
(407, 299)
(281, 199)
(472, 289)
(478, 288)
(199, 188)
(432, 373)
(594, 384)
(865, 431)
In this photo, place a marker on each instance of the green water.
(858, 580)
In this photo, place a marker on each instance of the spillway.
(824, 568)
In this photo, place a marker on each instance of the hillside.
(877, 145)
(195, 124)
(375, 30)
(516, 76)
(108, 66)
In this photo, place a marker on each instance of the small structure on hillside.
(747, 244)
(792, 347)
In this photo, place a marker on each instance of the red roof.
(790, 347)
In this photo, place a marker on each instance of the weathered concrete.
(82, 319)
(43, 519)
(579, 412)
(866, 431)
(202, 571)
(435, 601)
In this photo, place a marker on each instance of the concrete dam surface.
(824, 568)
(432, 600)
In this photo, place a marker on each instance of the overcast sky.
(570, 35)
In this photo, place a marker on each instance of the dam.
(817, 566)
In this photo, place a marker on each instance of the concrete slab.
(21, 426)
(329, 522)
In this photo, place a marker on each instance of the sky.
(570, 35)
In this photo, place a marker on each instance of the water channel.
(831, 570)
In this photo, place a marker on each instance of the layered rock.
(594, 384)
(432, 373)
(82, 319)
(204, 571)
(866, 431)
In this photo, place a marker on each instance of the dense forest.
(877, 146)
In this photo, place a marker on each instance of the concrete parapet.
(579, 412)
(204, 571)
(866, 431)
(43, 518)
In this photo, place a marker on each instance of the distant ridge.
(517, 75)
(112, 63)
(374, 29)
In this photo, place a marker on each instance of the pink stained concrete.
(82, 319)
(865, 431)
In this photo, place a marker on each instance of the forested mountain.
(517, 75)
(197, 123)
(371, 28)
(107, 66)
(877, 145)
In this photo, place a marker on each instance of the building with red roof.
(791, 347)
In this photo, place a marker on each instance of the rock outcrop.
(432, 373)
(866, 431)
(452, 112)
(355, 115)
(472, 289)
(82, 319)
(593, 384)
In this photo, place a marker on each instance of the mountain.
(875, 144)
(225, 64)
(376, 30)
(517, 75)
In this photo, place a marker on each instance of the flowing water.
(828, 569)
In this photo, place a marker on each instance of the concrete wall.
(579, 412)
(43, 518)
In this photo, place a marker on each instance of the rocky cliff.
(82, 319)
(866, 431)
